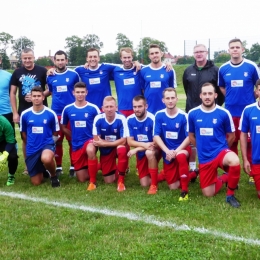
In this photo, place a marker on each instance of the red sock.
(122, 159)
(154, 176)
(182, 163)
(258, 195)
(92, 170)
(58, 154)
(218, 185)
(192, 175)
(121, 177)
(224, 178)
(184, 182)
(161, 176)
(233, 179)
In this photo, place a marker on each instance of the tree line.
(76, 49)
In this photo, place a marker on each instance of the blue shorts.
(34, 163)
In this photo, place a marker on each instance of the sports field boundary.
(148, 219)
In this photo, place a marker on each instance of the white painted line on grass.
(131, 216)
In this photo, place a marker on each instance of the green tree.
(5, 61)
(45, 61)
(92, 41)
(253, 53)
(185, 60)
(143, 48)
(123, 41)
(222, 57)
(19, 44)
(5, 40)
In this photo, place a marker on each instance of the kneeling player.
(140, 126)
(39, 126)
(110, 131)
(171, 136)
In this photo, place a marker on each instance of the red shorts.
(209, 171)
(80, 158)
(61, 134)
(126, 113)
(108, 162)
(142, 166)
(255, 173)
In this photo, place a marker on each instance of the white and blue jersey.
(39, 128)
(239, 81)
(210, 129)
(141, 130)
(171, 129)
(62, 85)
(97, 81)
(128, 85)
(153, 82)
(81, 122)
(250, 122)
(110, 131)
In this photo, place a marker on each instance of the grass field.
(71, 223)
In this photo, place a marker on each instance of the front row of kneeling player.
(167, 134)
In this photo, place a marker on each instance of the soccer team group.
(147, 122)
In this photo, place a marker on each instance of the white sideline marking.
(131, 216)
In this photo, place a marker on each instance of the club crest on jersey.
(161, 76)
(45, 121)
(214, 121)
(146, 129)
(67, 79)
(100, 72)
(177, 125)
(86, 115)
(115, 130)
(134, 72)
(245, 74)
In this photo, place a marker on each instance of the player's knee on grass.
(37, 179)
(174, 186)
(82, 175)
(145, 181)
(209, 191)
(110, 177)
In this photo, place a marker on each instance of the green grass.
(42, 230)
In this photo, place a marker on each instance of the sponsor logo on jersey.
(37, 130)
(258, 129)
(214, 121)
(171, 135)
(110, 138)
(142, 138)
(80, 124)
(237, 83)
(206, 131)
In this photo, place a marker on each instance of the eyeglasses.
(199, 52)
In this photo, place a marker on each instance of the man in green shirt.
(8, 151)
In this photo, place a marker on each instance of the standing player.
(250, 123)
(24, 79)
(39, 127)
(194, 77)
(61, 85)
(140, 126)
(171, 136)
(96, 77)
(8, 151)
(211, 130)
(110, 132)
(155, 78)
(5, 105)
(80, 115)
(127, 82)
(237, 79)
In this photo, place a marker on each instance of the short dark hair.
(170, 89)
(60, 53)
(235, 40)
(26, 50)
(154, 45)
(257, 83)
(140, 97)
(93, 49)
(37, 89)
(80, 85)
(208, 84)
